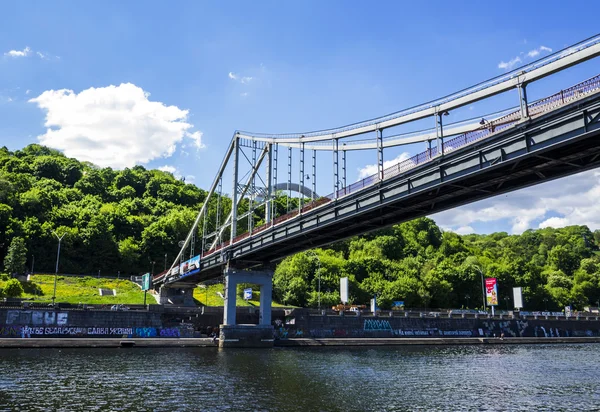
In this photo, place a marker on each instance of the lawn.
(73, 289)
(211, 296)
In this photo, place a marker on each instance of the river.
(510, 377)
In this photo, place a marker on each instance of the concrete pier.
(253, 336)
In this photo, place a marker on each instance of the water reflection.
(548, 377)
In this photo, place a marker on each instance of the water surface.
(528, 377)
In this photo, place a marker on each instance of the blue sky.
(185, 75)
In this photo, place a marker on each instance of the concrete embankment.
(295, 342)
(106, 343)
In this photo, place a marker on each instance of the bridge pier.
(247, 336)
(183, 296)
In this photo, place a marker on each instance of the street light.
(56, 270)
(482, 284)
(318, 275)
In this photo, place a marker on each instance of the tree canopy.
(128, 220)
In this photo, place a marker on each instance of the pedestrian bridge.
(534, 142)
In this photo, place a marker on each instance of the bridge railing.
(536, 108)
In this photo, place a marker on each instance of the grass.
(211, 296)
(73, 289)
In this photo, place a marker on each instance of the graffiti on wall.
(377, 325)
(31, 331)
(28, 317)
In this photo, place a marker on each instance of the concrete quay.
(295, 342)
(107, 342)
(292, 342)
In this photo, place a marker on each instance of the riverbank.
(294, 342)
(106, 343)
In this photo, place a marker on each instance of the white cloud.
(196, 139)
(574, 199)
(171, 169)
(536, 52)
(463, 230)
(115, 126)
(509, 64)
(370, 170)
(530, 54)
(245, 94)
(27, 91)
(238, 78)
(190, 179)
(19, 53)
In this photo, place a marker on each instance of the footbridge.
(534, 142)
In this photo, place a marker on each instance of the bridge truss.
(262, 194)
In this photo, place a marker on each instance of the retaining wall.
(302, 324)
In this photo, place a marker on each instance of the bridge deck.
(558, 139)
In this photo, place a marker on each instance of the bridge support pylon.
(233, 335)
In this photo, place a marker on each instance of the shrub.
(4, 276)
(31, 288)
(13, 288)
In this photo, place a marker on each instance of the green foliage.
(15, 259)
(13, 289)
(116, 220)
(416, 263)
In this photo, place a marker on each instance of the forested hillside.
(126, 220)
(113, 220)
(417, 263)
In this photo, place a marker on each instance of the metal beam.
(532, 72)
(233, 216)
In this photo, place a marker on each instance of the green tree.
(15, 259)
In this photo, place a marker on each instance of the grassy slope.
(71, 289)
(210, 296)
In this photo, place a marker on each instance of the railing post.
(344, 170)
(269, 199)
(335, 168)
(439, 132)
(289, 183)
(273, 203)
(301, 197)
(379, 133)
(314, 174)
(523, 100)
(236, 158)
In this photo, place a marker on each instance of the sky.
(166, 84)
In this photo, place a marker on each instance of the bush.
(4, 276)
(13, 289)
(31, 288)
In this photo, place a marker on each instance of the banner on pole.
(518, 297)
(344, 290)
(491, 291)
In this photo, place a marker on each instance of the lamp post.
(482, 285)
(56, 270)
(318, 276)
